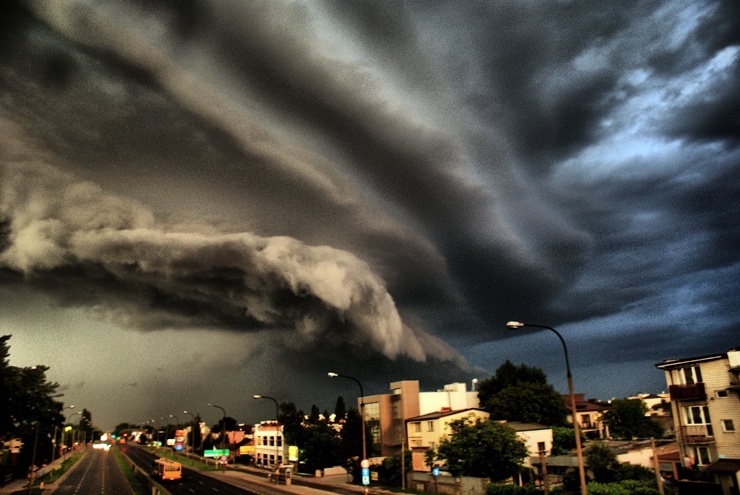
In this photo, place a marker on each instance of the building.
(590, 415)
(385, 414)
(268, 444)
(425, 431)
(705, 398)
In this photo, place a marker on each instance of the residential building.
(425, 431)
(268, 444)
(385, 414)
(705, 398)
(537, 438)
(590, 415)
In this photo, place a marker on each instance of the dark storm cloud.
(465, 162)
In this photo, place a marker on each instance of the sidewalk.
(302, 485)
(21, 484)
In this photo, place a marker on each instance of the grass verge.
(137, 484)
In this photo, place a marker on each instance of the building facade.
(386, 414)
(705, 397)
(268, 444)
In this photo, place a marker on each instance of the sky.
(205, 201)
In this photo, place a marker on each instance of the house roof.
(724, 466)
(672, 363)
(441, 414)
(519, 426)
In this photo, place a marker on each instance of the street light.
(576, 427)
(224, 425)
(277, 425)
(192, 428)
(331, 374)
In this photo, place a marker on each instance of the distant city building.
(705, 398)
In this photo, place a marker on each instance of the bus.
(167, 470)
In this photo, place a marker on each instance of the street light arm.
(331, 374)
(518, 324)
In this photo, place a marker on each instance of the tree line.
(29, 412)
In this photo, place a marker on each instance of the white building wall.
(454, 396)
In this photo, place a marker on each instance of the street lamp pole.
(277, 425)
(223, 433)
(576, 426)
(331, 374)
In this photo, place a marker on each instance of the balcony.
(695, 391)
(697, 434)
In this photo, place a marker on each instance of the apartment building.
(705, 397)
(385, 414)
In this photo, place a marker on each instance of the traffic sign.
(366, 476)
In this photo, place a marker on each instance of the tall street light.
(331, 374)
(223, 433)
(277, 425)
(192, 428)
(576, 426)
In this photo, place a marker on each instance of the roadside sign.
(216, 453)
(365, 476)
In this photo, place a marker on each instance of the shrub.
(494, 489)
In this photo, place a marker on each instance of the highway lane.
(192, 482)
(97, 473)
(196, 483)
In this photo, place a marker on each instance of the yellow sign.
(293, 453)
(247, 450)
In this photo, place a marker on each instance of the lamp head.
(332, 374)
(515, 324)
(256, 396)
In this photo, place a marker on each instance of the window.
(721, 394)
(430, 425)
(417, 427)
(372, 411)
(541, 447)
(690, 375)
(701, 456)
(728, 425)
(699, 416)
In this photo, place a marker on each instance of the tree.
(564, 439)
(626, 419)
(322, 447)
(340, 410)
(351, 438)
(482, 448)
(315, 416)
(292, 420)
(521, 393)
(27, 408)
(602, 461)
(390, 472)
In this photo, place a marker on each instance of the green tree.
(564, 440)
(292, 420)
(626, 419)
(340, 410)
(315, 416)
(482, 448)
(28, 410)
(602, 461)
(390, 472)
(322, 447)
(521, 393)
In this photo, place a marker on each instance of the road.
(97, 474)
(195, 483)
